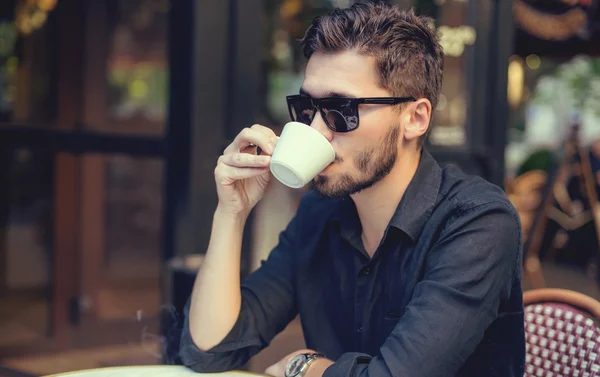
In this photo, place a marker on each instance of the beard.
(373, 163)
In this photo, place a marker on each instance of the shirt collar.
(418, 201)
(413, 210)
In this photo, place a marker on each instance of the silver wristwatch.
(299, 364)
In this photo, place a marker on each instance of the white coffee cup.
(301, 153)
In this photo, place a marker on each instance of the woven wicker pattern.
(561, 341)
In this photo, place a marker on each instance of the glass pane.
(137, 64)
(110, 209)
(27, 69)
(457, 37)
(133, 237)
(8, 68)
(25, 244)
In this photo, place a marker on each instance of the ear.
(416, 119)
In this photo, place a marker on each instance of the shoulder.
(470, 205)
(478, 215)
(462, 193)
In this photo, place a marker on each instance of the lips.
(327, 168)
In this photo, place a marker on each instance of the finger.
(249, 137)
(268, 132)
(245, 160)
(251, 149)
(257, 150)
(264, 130)
(226, 174)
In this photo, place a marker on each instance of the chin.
(325, 186)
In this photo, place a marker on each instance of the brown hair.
(409, 57)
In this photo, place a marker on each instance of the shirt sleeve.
(268, 306)
(468, 272)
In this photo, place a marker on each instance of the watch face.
(295, 365)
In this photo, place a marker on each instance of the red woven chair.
(562, 334)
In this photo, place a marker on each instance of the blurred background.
(113, 113)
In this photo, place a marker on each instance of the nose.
(319, 124)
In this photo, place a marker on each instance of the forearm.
(216, 299)
(318, 368)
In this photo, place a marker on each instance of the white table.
(150, 371)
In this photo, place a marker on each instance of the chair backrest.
(562, 335)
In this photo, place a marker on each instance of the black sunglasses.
(340, 114)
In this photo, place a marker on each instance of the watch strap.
(312, 356)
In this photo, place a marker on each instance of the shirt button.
(359, 329)
(366, 271)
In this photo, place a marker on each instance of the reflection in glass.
(457, 38)
(133, 217)
(8, 67)
(137, 63)
(25, 238)
(27, 66)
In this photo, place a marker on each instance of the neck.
(377, 204)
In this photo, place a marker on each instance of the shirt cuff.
(351, 364)
(231, 353)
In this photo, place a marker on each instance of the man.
(396, 266)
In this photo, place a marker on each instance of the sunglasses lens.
(335, 119)
(341, 115)
(302, 110)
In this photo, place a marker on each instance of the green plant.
(575, 83)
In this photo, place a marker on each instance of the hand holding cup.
(241, 174)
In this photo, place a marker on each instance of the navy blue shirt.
(441, 296)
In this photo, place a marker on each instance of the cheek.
(348, 146)
(353, 157)
(363, 159)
